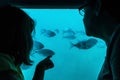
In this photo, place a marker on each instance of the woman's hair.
(111, 6)
(15, 34)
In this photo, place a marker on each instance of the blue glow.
(70, 63)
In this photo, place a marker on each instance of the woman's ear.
(98, 7)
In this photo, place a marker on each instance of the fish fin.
(71, 45)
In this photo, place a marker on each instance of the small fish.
(37, 45)
(80, 45)
(56, 31)
(46, 52)
(85, 44)
(91, 42)
(69, 34)
(69, 37)
(69, 31)
(48, 33)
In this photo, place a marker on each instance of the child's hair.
(15, 33)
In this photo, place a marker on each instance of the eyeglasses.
(81, 8)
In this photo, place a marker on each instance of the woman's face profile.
(91, 21)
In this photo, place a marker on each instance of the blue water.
(70, 63)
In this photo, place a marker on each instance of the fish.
(46, 52)
(69, 34)
(37, 45)
(56, 31)
(71, 37)
(68, 31)
(48, 33)
(86, 44)
(91, 42)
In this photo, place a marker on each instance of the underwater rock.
(87, 44)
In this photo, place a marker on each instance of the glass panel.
(59, 30)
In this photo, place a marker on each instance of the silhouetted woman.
(102, 20)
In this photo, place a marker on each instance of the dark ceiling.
(73, 4)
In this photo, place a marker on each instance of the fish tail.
(71, 45)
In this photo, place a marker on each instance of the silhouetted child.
(16, 43)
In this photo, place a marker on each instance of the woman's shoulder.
(114, 41)
(116, 35)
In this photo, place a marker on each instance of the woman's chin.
(88, 34)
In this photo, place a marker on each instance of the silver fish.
(69, 37)
(37, 45)
(69, 31)
(69, 34)
(56, 31)
(48, 33)
(46, 52)
(87, 44)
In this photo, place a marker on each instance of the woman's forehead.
(83, 6)
(87, 3)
